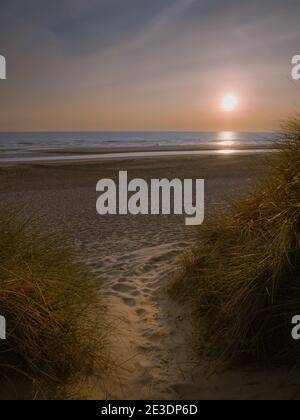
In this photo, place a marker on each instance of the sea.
(34, 146)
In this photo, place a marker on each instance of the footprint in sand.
(153, 337)
(148, 348)
(141, 312)
(147, 292)
(122, 288)
(129, 301)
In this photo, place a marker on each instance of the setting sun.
(229, 103)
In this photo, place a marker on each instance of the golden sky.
(140, 65)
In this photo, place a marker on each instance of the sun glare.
(229, 103)
(227, 138)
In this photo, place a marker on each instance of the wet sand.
(152, 337)
(96, 154)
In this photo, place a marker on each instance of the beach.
(150, 202)
(153, 346)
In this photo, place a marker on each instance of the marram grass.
(244, 273)
(53, 312)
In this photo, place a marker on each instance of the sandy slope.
(152, 339)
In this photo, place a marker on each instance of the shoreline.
(74, 155)
(189, 147)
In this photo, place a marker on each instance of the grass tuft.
(244, 273)
(51, 305)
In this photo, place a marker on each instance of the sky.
(147, 64)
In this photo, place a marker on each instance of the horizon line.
(138, 131)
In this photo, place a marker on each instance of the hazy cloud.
(106, 63)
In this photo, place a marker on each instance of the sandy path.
(145, 361)
(152, 345)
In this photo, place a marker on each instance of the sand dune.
(152, 340)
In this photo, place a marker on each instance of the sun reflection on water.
(227, 138)
(227, 152)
